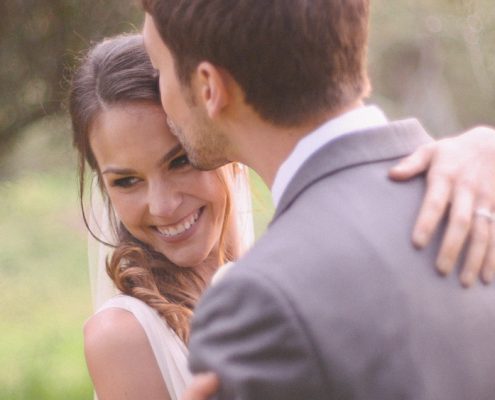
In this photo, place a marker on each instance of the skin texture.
(205, 144)
(122, 366)
(460, 174)
(202, 387)
(153, 187)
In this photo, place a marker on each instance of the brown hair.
(294, 59)
(118, 71)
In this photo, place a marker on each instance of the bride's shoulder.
(117, 351)
(112, 329)
(115, 326)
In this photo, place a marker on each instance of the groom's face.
(204, 144)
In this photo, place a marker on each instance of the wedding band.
(485, 213)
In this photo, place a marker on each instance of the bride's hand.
(461, 173)
(202, 387)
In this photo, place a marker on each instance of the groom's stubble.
(206, 145)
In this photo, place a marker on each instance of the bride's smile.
(177, 231)
(159, 197)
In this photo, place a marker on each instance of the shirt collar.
(364, 117)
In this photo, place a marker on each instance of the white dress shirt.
(364, 117)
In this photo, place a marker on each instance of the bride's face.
(159, 197)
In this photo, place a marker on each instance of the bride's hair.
(118, 71)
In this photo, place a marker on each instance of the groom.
(333, 302)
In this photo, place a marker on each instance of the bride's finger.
(459, 224)
(432, 210)
(202, 387)
(489, 262)
(478, 247)
(414, 164)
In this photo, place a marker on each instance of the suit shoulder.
(247, 330)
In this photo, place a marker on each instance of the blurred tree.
(431, 58)
(39, 39)
(435, 59)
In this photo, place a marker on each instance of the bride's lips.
(181, 231)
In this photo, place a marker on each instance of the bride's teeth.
(181, 227)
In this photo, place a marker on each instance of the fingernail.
(488, 276)
(420, 239)
(443, 265)
(467, 279)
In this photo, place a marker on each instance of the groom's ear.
(213, 88)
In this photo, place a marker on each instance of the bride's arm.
(120, 360)
(460, 179)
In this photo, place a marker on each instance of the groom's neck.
(264, 146)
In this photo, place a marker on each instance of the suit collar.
(395, 140)
(357, 119)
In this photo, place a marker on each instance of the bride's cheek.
(124, 208)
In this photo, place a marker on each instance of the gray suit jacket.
(333, 302)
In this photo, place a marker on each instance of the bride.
(169, 225)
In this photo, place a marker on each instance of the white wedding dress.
(169, 350)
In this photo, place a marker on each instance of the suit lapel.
(391, 141)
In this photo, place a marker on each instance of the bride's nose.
(163, 198)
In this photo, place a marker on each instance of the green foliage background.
(434, 59)
(430, 58)
(43, 279)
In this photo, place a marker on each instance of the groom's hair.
(294, 59)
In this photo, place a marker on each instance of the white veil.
(242, 209)
(102, 287)
(170, 352)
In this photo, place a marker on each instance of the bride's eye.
(126, 182)
(179, 162)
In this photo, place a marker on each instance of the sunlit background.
(434, 59)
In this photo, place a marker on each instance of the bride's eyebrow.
(171, 154)
(166, 158)
(118, 171)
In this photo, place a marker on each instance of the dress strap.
(169, 350)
